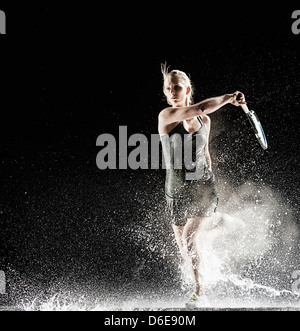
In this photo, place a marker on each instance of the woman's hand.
(238, 99)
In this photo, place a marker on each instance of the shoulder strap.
(200, 120)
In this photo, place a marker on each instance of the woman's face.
(176, 91)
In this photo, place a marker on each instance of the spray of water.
(243, 248)
(248, 250)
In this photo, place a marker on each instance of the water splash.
(249, 252)
(245, 250)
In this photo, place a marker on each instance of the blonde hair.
(182, 76)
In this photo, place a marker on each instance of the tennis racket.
(257, 127)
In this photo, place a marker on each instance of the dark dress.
(190, 185)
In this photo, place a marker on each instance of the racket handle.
(245, 109)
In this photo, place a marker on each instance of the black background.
(69, 74)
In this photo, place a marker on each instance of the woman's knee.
(189, 243)
(189, 235)
(190, 231)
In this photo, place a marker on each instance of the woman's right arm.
(208, 106)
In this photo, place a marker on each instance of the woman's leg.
(186, 238)
(189, 239)
(178, 232)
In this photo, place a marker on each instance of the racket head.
(258, 129)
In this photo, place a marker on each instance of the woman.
(191, 196)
